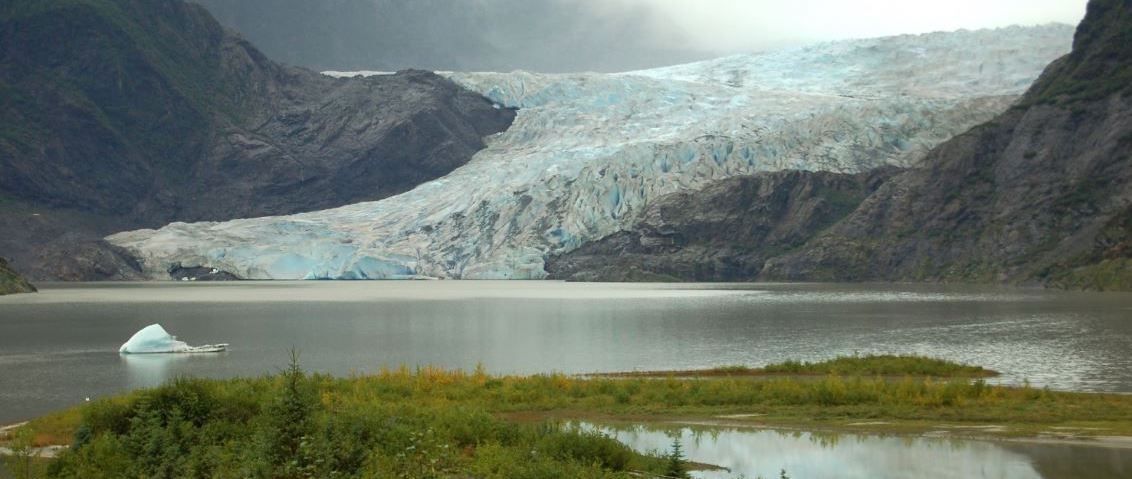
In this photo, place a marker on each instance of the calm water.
(763, 453)
(60, 346)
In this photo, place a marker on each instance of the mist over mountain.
(559, 36)
(476, 35)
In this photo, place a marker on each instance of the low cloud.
(595, 35)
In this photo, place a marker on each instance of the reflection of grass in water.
(473, 421)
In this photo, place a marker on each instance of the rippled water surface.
(764, 453)
(60, 346)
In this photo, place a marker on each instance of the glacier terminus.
(588, 152)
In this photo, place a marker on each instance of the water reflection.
(148, 370)
(755, 453)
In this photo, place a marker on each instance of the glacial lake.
(60, 346)
(764, 453)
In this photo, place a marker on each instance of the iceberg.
(154, 339)
(588, 152)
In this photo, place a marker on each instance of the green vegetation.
(125, 81)
(11, 282)
(294, 425)
(1107, 267)
(1100, 64)
(868, 365)
(677, 465)
(436, 423)
(884, 365)
(24, 462)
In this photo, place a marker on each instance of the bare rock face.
(135, 113)
(724, 232)
(1040, 195)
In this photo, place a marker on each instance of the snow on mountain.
(588, 151)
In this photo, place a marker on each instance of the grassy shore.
(868, 365)
(430, 422)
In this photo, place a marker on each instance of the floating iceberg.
(154, 339)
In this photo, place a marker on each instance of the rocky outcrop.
(178, 272)
(724, 232)
(135, 113)
(11, 282)
(1040, 195)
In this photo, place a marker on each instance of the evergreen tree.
(677, 465)
(290, 422)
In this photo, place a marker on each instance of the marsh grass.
(856, 365)
(430, 422)
(882, 365)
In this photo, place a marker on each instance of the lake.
(60, 346)
(753, 453)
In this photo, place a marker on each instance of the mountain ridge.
(120, 114)
(588, 153)
(1040, 195)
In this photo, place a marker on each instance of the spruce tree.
(677, 465)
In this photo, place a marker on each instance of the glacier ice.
(154, 339)
(587, 152)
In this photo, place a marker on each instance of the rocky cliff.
(118, 114)
(1040, 195)
(11, 282)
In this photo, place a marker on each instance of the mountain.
(1042, 194)
(724, 232)
(11, 282)
(118, 114)
(460, 35)
(589, 153)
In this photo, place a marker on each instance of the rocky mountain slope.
(11, 282)
(724, 232)
(589, 153)
(1041, 194)
(117, 114)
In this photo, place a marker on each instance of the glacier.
(588, 152)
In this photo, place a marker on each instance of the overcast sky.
(739, 25)
(590, 35)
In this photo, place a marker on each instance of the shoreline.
(944, 431)
(941, 431)
(904, 429)
(936, 399)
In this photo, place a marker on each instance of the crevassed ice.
(587, 152)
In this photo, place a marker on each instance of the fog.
(727, 26)
(588, 35)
